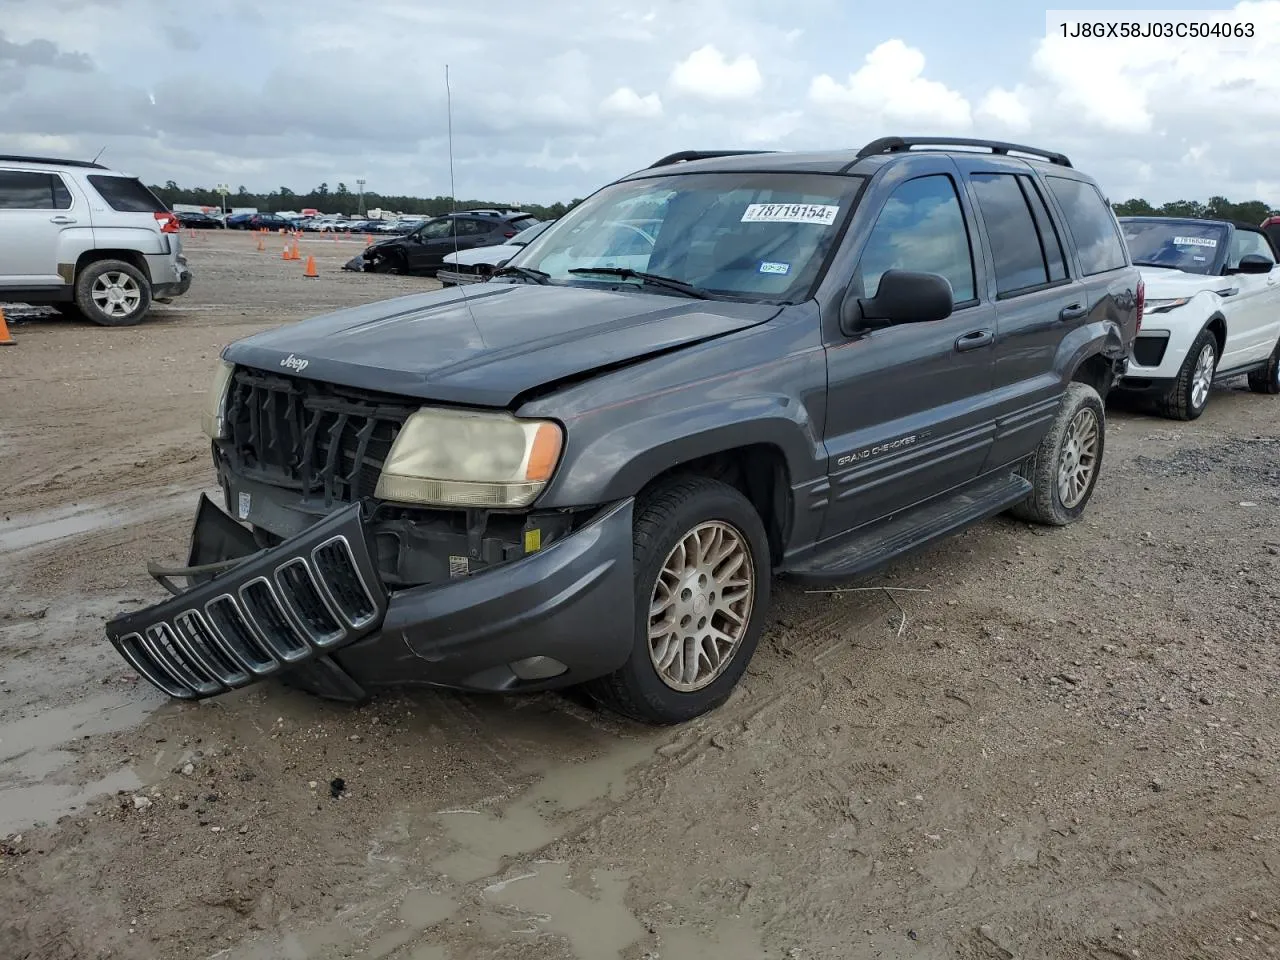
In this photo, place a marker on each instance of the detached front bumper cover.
(267, 611)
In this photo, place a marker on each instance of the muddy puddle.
(53, 526)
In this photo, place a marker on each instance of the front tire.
(1064, 470)
(702, 578)
(1267, 380)
(1189, 395)
(113, 293)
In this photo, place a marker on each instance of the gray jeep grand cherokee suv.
(588, 469)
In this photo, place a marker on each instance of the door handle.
(62, 220)
(1072, 311)
(974, 339)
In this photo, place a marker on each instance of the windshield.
(740, 235)
(1180, 244)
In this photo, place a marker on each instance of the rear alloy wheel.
(113, 293)
(1267, 380)
(1064, 470)
(702, 578)
(1189, 395)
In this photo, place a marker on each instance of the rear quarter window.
(1092, 225)
(126, 194)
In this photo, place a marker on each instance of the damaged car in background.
(587, 470)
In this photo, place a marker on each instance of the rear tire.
(698, 619)
(1064, 470)
(1189, 395)
(1267, 380)
(113, 293)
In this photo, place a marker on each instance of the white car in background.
(1212, 310)
(477, 264)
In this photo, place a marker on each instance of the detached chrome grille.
(319, 439)
(304, 598)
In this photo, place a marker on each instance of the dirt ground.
(1039, 744)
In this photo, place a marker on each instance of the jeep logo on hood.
(294, 363)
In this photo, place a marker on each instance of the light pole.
(360, 201)
(223, 189)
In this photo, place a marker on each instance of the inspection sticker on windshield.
(821, 213)
(767, 266)
(1195, 242)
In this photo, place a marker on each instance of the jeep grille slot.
(318, 439)
(271, 620)
(233, 629)
(341, 577)
(298, 589)
(198, 641)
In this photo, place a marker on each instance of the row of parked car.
(196, 220)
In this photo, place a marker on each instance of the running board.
(872, 547)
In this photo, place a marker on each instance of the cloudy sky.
(552, 99)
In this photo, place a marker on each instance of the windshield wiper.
(657, 279)
(524, 273)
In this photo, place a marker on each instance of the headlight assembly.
(454, 458)
(214, 417)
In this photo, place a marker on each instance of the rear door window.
(1015, 241)
(28, 190)
(1091, 223)
(126, 194)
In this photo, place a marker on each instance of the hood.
(1168, 283)
(490, 255)
(486, 345)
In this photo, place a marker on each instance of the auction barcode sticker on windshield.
(1195, 242)
(821, 213)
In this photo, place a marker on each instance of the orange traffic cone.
(311, 268)
(368, 239)
(286, 253)
(261, 245)
(6, 338)
(297, 254)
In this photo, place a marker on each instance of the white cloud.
(708, 74)
(1006, 109)
(625, 102)
(891, 84)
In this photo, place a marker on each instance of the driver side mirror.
(1254, 263)
(904, 296)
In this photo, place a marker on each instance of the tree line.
(342, 200)
(1216, 208)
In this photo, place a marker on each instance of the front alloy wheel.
(1188, 395)
(702, 571)
(701, 605)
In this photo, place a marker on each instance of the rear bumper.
(314, 611)
(169, 279)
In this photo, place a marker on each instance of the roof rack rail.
(686, 155)
(903, 144)
(53, 160)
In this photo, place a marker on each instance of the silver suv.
(87, 240)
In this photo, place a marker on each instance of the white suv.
(86, 240)
(1212, 310)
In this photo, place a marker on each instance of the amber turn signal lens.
(544, 453)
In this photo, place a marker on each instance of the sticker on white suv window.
(820, 213)
(1195, 242)
(767, 266)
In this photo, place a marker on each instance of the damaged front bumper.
(315, 611)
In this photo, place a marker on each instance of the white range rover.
(1212, 310)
